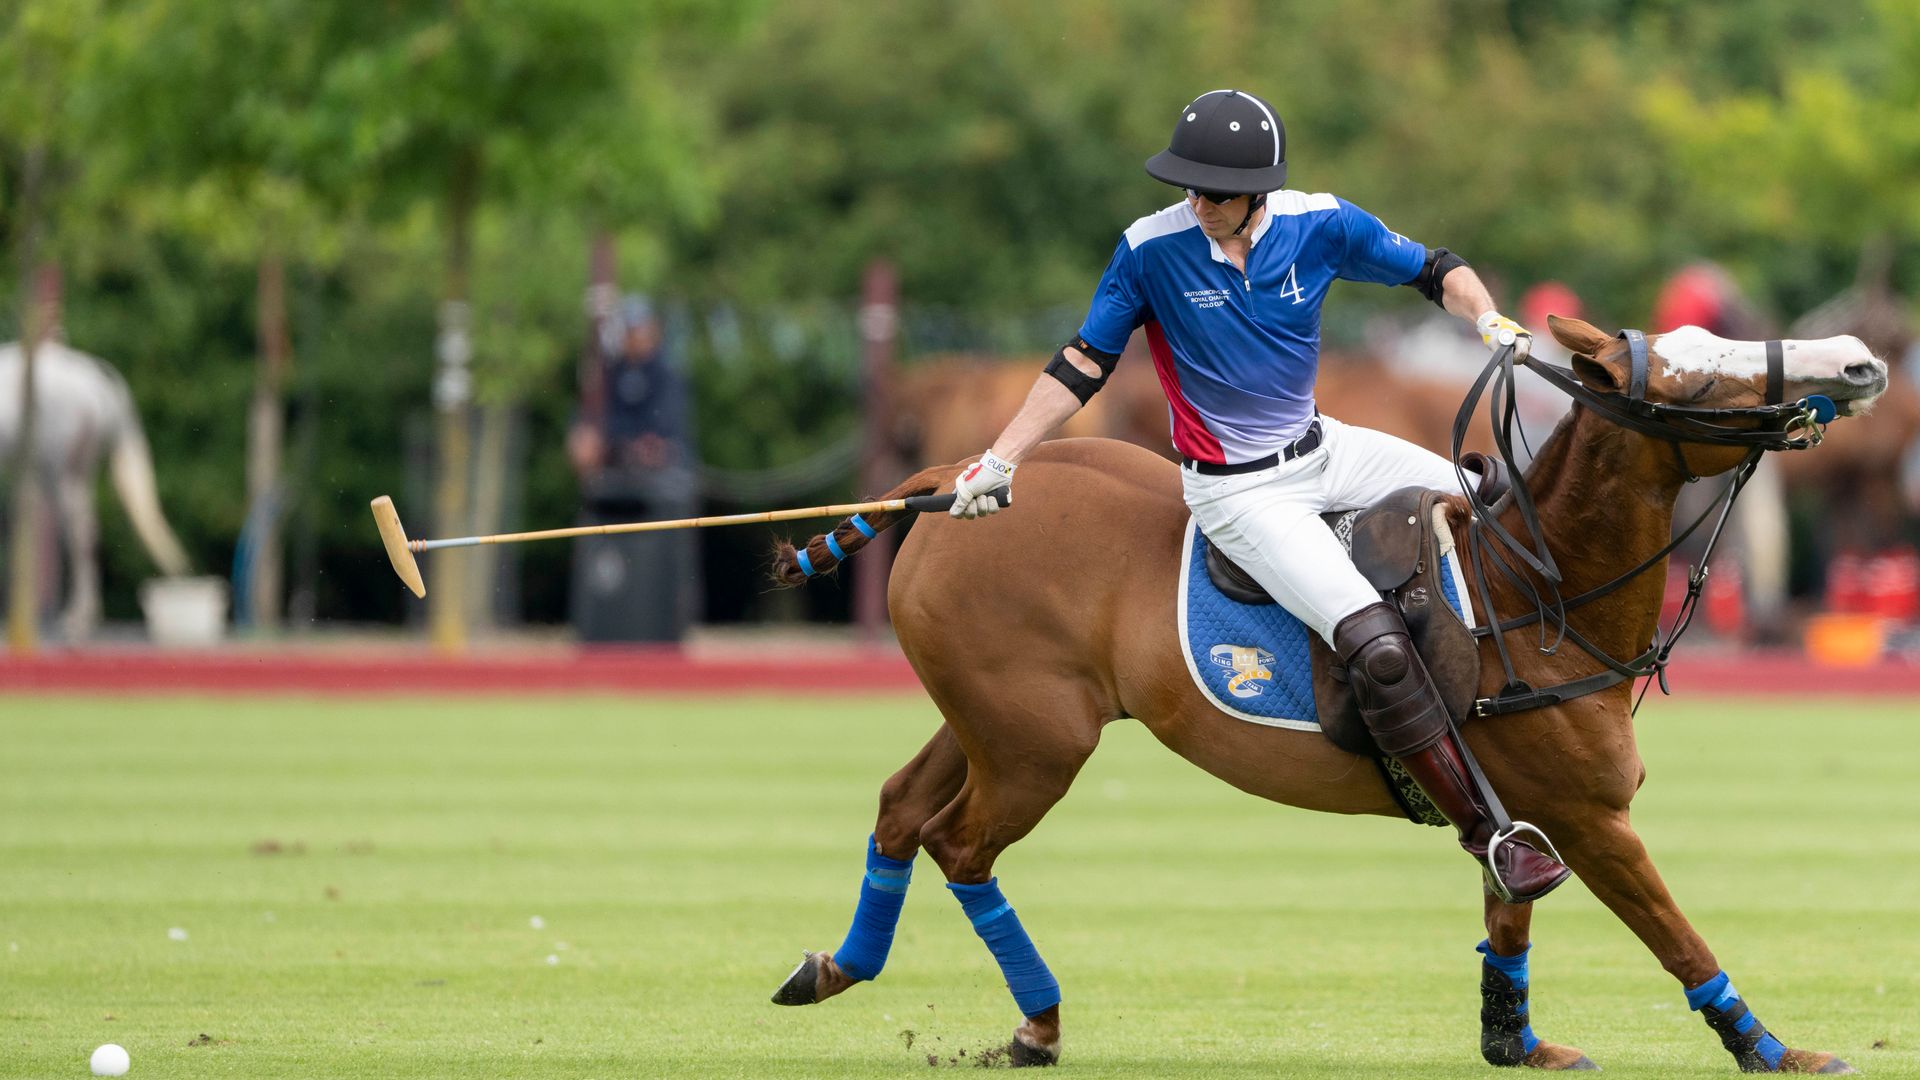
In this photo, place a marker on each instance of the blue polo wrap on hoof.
(866, 530)
(1753, 1048)
(882, 893)
(1506, 1029)
(1034, 988)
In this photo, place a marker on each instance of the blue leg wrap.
(1753, 1048)
(1506, 1029)
(882, 893)
(1034, 988)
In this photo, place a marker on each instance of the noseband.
(1776, 425)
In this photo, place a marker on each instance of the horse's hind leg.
(1506, 1028)
(1004, 797)
(1613, 863)
(907, 800)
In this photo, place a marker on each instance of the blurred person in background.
(1228, 285)
(634, 413)
(631, 447)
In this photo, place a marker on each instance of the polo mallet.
(400, 550)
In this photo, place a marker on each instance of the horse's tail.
(132, 466)
(823, 553)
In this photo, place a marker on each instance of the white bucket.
(185, 612)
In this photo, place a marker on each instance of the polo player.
(1228, 285)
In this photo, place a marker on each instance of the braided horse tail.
(823, 553)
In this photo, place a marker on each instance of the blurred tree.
(539, 108)
(1791, 186)
(45, 63)
(221, 159)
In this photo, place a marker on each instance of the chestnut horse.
(1034, 628)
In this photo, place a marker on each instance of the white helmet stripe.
(1272, 124)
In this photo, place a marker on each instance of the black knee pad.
(1384, 661)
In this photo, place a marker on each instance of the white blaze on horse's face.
(1842, 368)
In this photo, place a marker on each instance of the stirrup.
(1506, 835)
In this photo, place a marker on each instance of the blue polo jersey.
(1237, 353)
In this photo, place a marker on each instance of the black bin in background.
(636, 587)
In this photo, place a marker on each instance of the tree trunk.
(23, 591)
(489, 509)
(266, 419)
(453, 391)
(879, 335)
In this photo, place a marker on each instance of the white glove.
(970, 499)
(1497, 330)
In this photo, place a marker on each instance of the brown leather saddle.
(1396, 544)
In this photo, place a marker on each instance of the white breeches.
(1269, 523)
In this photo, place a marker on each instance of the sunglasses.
(1217, 198)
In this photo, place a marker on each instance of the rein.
(1777, 425)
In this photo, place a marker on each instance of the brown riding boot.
(1526, 872)
(1409, 722)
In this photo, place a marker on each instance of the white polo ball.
(110, 1060)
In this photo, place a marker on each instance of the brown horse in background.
(1078, 629)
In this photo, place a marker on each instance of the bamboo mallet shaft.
(843, 510)
(400, 550)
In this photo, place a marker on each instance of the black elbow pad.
(1440, 263)
(1069, 375)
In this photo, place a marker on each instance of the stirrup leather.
(1491, 868)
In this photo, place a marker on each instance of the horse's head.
(1710, 384)
(1691, 367)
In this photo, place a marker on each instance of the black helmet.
(1225, 141)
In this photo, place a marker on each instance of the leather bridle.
(1776, 425)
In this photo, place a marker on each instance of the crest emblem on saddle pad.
(1252, 668)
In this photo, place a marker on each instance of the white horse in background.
(83, 411)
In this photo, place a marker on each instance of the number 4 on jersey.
(1292, 287)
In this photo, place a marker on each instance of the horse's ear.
(1580, 338)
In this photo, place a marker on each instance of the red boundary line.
(670, 671)
(409, 671)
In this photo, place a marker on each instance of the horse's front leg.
(1611, 860)
(907, 801)
(1506, 1017)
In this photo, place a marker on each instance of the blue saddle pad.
(1253, 660)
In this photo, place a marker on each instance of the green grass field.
(357, 881)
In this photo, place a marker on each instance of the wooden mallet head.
(395, 537)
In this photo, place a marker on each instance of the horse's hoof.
(1556, 1058)
(1838, 1066)
(1021, 1054)
(798, 989)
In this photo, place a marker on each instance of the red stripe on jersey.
(1190, 434)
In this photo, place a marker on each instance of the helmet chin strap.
(1253, 204)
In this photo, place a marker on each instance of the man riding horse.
(1228, 285)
